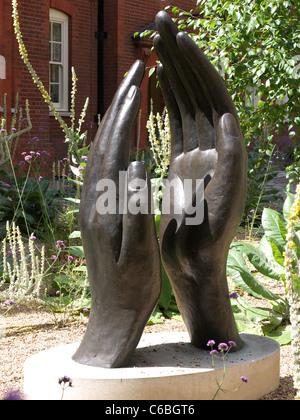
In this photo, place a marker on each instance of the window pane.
(54, 73)
(56, 52)
(56, 32)
(58, 59)
(54, 93)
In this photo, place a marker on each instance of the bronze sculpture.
(121, 250)
(207, 144)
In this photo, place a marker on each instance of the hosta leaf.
(239, 272)
(260, 261)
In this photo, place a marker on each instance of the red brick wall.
(122, 18)
(34, 22)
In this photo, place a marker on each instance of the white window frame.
(59, 17)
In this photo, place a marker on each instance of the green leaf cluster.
(248, 266)
(26, 201)
(255, 46)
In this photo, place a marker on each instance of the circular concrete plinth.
(165, 367)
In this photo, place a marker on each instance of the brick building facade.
(93, 36)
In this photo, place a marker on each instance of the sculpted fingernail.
(131, 92)
(229, 125)
(137, 170)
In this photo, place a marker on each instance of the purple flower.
(27, 158)
(232, 344)
(32, 238)
(65, 380)
(214, 352)
(223, 347)
(9, 302)
(60, 244)
(210, 343)
(54, 257)
(233, 295)
(70, 258)
(12, 395)
(244, 379)
(7, 185)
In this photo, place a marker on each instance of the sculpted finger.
(118, 147)
(174, 113)
(138, 233)
(226, 191)
(178, 88)
(100, 144)
(211, 82)
(134, 77)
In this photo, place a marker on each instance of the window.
(252, 97)
(58, 59)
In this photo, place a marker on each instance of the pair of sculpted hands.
(122, 252)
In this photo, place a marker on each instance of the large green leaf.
(173, 315)
(289, 201)
(273, 228)
(156, 317)
(238, 270)
(77, 251)
(278, 255)
(281, 335)
(75, 234)
(260, 261)
(166, 289)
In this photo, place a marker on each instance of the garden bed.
(29, 330)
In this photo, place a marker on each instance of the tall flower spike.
(293, 287)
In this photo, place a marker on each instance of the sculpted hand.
(121, 248)
(206, 145)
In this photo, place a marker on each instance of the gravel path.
(28, 331)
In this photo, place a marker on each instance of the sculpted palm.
(206, 145)
(121, 249)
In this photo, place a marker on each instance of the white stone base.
(165, 367)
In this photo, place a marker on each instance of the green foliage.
(257, 43)
(255, 47)
(246, 263)
(259, 173)
(72, 294)
(26, 201)
(9, 136)
(166, 306)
